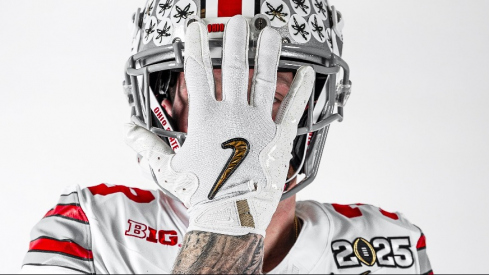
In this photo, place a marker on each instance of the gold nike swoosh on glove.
(241, 148)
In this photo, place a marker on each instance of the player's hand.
(232, 168)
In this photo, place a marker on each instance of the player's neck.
(280, 235)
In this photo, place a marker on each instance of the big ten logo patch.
(142, 231)
(385, 252)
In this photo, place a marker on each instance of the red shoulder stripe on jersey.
(66, 247)
(421, 242)
(134, 194)
(69, 211)
(347, 210)
(229, 8)
(393, 216)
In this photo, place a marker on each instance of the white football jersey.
(119, 229)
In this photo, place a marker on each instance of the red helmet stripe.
(229, 8)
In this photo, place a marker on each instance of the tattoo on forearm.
(204, 253)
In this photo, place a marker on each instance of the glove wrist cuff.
(236, 216)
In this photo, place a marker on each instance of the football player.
(231, 103)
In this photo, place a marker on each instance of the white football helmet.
(311, 33)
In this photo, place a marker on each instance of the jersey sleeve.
(61, 240)
(424, 261)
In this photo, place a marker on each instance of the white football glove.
(231, 170)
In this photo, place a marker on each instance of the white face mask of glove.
(232, 168)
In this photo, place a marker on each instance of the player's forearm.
(204, 252)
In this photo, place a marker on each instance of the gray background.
(414, 138)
